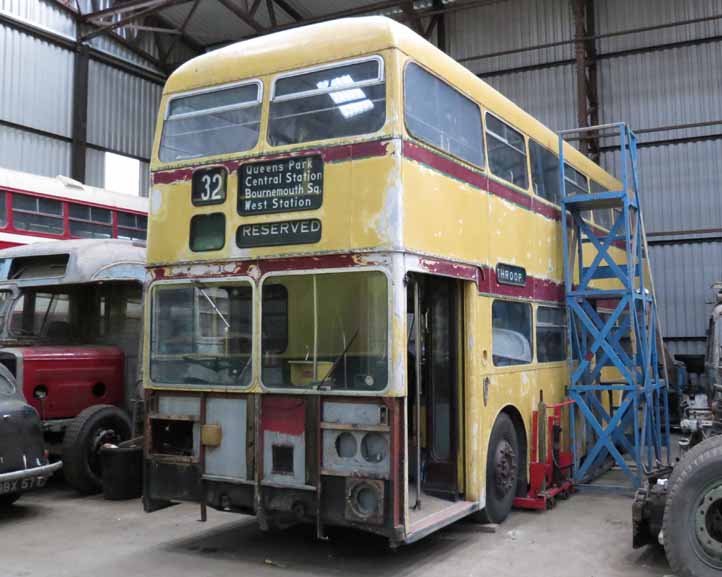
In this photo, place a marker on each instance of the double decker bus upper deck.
(356, 296)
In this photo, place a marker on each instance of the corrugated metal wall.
(121, 110)
(684, 273)
(37, 92)
(647, 89)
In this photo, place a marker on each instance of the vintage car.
(70, 324)
(23, 459)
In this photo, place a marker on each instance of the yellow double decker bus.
(356, 283)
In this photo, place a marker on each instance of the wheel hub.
(101, 437)
(708, 523)
(505, 468)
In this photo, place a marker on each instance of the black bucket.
(123, 470)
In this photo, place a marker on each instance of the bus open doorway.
(435, 377)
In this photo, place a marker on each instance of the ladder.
(621, 412)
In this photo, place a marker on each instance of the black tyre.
(692, 453)
(692, 525)
(502, 471)
(8, 499)
(88, 432)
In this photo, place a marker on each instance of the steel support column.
(80, 113)
(441, 38)
(586, 68)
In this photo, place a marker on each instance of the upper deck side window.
(507, 152)
(602, 216)
(347, 99)
(210, 122)
(441, 116)
(577, 183)
(544, 172)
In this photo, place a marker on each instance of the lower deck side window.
(550, 334)
(511, 333)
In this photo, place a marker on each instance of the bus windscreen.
(337, 332)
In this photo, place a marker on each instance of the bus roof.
(318, 43)
(69, 189)
(73, 262)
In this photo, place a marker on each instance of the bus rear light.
(365, 501)
(346, 445)
(374, 447)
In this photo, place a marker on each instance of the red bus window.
(132, 226)
(90, 222)
(37, 214)
(3, 211)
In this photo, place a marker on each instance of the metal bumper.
(43, 471)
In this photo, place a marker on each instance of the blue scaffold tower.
(621, 414)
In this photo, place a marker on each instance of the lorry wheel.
(88, 432)
(692, 525)
(502, 471)
(8, 499)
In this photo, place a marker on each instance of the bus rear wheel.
(502, 471)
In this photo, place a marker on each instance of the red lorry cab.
(59, 382)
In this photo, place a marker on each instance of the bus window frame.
(389, 331)
(38, 197)
(524, 136)
(531, 173)
(207, 90)
(118, 226)
(210, 281)
(4, 211)
(380, 79)
(485, 161)
(514, 367)
(210, 89)
(72, 219)
(535, 312)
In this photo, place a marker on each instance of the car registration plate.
(17, 485)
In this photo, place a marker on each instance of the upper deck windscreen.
(215, 121)
(333, 102)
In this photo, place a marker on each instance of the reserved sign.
(303, 231)
(283, 185)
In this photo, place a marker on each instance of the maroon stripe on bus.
(373, 148)
(443, 164)
(340, 153)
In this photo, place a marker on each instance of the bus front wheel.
(502, 470)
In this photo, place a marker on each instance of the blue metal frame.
(635, 432)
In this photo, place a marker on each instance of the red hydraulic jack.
(550, 468)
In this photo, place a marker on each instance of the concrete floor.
(56, 533)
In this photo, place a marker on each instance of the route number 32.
(209, 186)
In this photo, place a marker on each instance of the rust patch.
(452, 269)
